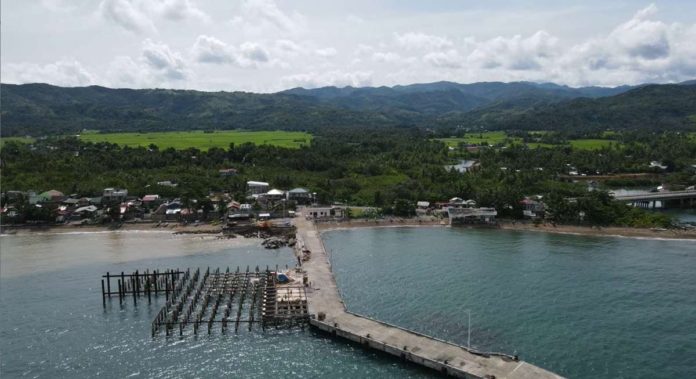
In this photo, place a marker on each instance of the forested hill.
(41, 109)
(651, 107)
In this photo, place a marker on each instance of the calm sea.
(53, 325)
(583, 307)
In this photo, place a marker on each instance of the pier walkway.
(323, 298)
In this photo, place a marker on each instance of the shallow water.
(53, 325)
(584, 307)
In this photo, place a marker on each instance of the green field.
(492, 138)
(4, 140)
(495, 138)
(202, 140)
(591, 144)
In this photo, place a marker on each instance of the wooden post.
(135, 298)
(120, 296)
(108, 283)
(103, 295)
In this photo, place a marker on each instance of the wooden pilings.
(140, 284)
(210, 298)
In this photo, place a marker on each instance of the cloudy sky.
(270, 45)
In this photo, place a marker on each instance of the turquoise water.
(52, 324)
(584, 307)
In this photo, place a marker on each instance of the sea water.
(53, 325)
(585, 307)
(581, 306)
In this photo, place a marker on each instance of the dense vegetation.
(449, 108)
(384, 167)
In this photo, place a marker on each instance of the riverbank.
(610, 231)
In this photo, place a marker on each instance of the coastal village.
(263, 203)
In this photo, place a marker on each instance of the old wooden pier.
(213, 299)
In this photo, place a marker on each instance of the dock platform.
(328, 313)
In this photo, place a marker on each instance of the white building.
(257, 188)
(114, 194)
(324, 212)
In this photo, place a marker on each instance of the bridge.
(649, 199)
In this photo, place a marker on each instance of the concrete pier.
(323, 299)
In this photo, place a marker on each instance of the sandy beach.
(141, 226)
(364, 223)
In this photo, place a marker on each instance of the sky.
(271, 45)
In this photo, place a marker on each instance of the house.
(324, 212)
(150, 199)
(472, 216)
(274, 195)
(422, 207)
(533, 207)
(300, 196)
(113, 195)
(464, 166)
(465, 212)
(225, 172)
(257, 188)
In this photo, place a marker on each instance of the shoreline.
(176, 229)
(25, 230)
(609, 231)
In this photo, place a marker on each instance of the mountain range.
(42, 109)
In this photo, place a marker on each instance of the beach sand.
(364, 223)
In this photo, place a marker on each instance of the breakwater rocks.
(276, 242)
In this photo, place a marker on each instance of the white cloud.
(253, 53)
(387, 57)
(446, 59)
(515, 53)
(164, 61)
(177, 10)
(639, 50)
(138, 15)
(287, 46)
(265, 17)
(329, 78)
(65, 72)
(326, 52)
(422, 41)
(127, 15)
(208, 49)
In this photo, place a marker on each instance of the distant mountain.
(442, 97)
(42, 109)
(649, 107)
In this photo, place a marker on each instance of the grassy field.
(202, 140)
(591, 144)
(3, 140)
(492, 138)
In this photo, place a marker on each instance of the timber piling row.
(213, 299)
